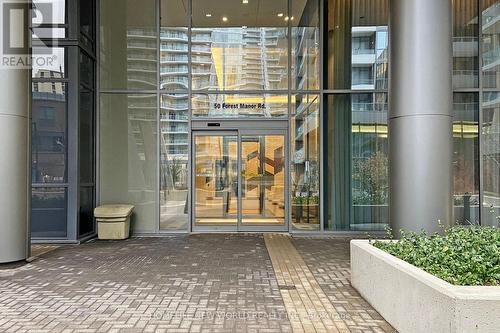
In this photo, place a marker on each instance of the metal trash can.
(113, 221)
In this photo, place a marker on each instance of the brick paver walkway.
(308, 307)
(328, 259)
(195, 283)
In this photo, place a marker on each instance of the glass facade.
(129, 155)
(174, 161)
(466, 157)
(490, 157)
(355, 110)
(322, 67)
(305, 162)
(490, 112)
(63, 123)
(316, 69)
(465, 44)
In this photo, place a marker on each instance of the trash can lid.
(113, 211)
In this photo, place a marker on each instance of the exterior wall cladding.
(320, 67)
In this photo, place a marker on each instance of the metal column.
(420, 119)
(15, 100)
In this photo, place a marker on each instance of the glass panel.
(174, 45)
(48, 133)
(174, 166)
(491, 43)
(128, 44)
(129, 155)
(86, 12)
(216, 180)
(49, 11)
(466, 158)
(305, 162)
(47, 33)
(239, 105)
(356, 168)
(239, 46)
(86, 137)
(48, 212)
(86, 211)
(369, 158)
(86, 70)
(357, 44)
(263, 179)
(305, 44)
(337, 143)
(465, 44)
(49, 63)
(490, 135)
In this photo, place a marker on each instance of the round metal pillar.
(15, 100)
(420, 118)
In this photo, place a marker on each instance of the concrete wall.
(414, 301)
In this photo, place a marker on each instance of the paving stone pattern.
(328, 259)
(197, 283)
(308, 307)
(189, 283)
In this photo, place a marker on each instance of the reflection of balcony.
(177, 70)
(174, 81)
(465, 47)
(201, 38)
(465, 78)
(491, 100)
(491, 60)
(173, 36)
(141, 33)
(363, 83)
(367, 107)
(363, 58)
(363, 51)
(140, 56)
(174, 118)
(491, 18)
(174, 106)
(136, 44)
(175, 130)
(174, 59)
(142, 78)
(175, 143)
(465, 110)
(173, 48)
(201, 49)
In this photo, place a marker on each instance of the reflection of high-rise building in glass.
(167, 68)
(239, 58)
(141, 59)
(369, 57)
(491, 46)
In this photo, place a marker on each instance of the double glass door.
(239, 181)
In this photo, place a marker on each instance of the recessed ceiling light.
(245, 1)
(224, 19)
(208, 15)
(291, 18)
(280, 14)
(286, 18)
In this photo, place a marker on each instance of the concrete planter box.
(413, 300)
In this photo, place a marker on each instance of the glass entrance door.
(239, 181)
(216, 180)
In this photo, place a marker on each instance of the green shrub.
(468, 256)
